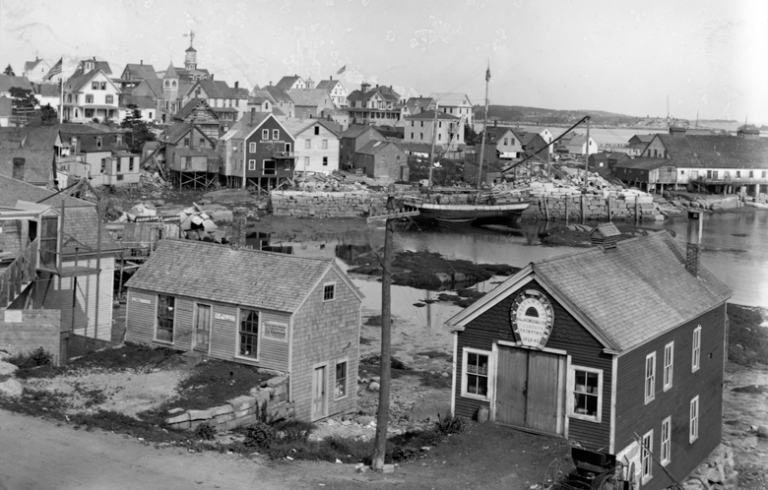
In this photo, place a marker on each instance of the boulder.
(374, 386)
(7, 369)
(762, 431)
(11, 388)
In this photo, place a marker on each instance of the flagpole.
(61, 104)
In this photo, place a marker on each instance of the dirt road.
(38, 454)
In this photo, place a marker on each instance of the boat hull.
(468, 212)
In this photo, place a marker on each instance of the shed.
(605, 235)
(596, 347)
(298, 316)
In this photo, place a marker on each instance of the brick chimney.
(237, 84)
(18, 168)
(693, 249)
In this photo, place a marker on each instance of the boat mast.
(485, 125)
(586, 162)
(432, 151)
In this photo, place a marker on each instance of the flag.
(56, 70)
(342, 70)
(488, 74)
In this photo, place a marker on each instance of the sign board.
(225, 317)
(275, 331)
(13, 316)
(532, 318)
(174, 218)
(141, 300)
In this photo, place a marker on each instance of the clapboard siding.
(140, 310)
(567, 335)
(635, 416)
(326, 331)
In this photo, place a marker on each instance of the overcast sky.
(620, 56)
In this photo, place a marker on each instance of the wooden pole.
(382, 417)
(485, 126)
(546, 209)
(610, 215)
(567, 198)
(432, 151)
(98, 270)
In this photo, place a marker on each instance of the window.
(709, 174)
(119, 165)
(252, 147)
(165, 314)
(120, 177)
(186, 142)
(251, 164)
(411, 135)
(265, 134)
(738, 174)
(646, 461)
(307, 144)
(751, 174)
(89, 98)
(249, 334)
(340, 390)
(666, 441)
(440, 137)
(422, 124)
(440, 124)
(187, 162)
(270, 167)
(103, 85)
(98, 141)
(421, 136)
(696, 354)
(103, 165)
(325, 144)
(94, 85)
(325, 161)
(762, 175)
(693, 428)
(669, 359)
(130, 164)
(109, 99)
(202, 142)
(474, 381)
(650, 377)
(587, 393)
(151, 115)
(317, 130)
(275, 134)
(505, 141)
(329, 291)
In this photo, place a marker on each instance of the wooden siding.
(141, 318)
(568, 335)
(265, 150)
(325, 331)
(634, 416)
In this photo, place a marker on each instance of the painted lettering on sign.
(532, 318)
(141, 300)
(275, 331)
(223, 316)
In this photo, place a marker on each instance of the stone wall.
(267, 403)
(301, 204)
(612, 206)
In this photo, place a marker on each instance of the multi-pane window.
(275, 134)
(329, 292)
(666, 441)
(252, 147)
(586, 389)
(340, 390)
(88, 98)
(109, 99)
(475, 379)
(646, 459)
(165, 313)
(325, 144)
(307, 143)
(650, 377)
(95, 85)
(265, 134)
(103, 85)
(249, 334)
(696, 350)
(98, 142)
(669, 359)
(693, 427)
(251, 164)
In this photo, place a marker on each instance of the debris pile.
(196, 224)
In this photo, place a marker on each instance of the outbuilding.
(618, 349)
(298, 316)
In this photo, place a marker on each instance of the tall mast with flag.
(56, 70)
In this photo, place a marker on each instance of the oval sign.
(532, 318)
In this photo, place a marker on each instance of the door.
(318, 393)
(530, 389)
(202, 333)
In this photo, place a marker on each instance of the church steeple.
(190, 61)
(170, 82)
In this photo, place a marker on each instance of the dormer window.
(98, 142)
(95, 85)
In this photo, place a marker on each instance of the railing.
(20, 273)
(731, 178)
(283, 154)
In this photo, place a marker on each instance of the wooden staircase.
(19, 275)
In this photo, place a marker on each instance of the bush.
(205, 432)
(259, 436)
(294, 430)
(36, 358)
(449, 425)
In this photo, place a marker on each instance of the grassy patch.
(747, 340)
(434, 354)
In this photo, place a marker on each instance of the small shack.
(619, 351)
(605, 235)
(298, 316)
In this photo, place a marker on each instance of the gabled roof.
(140, 101)
(386, 93)
(643, 163)
(155, 86)
(141, 71)
(170, 72)
(30, 137)
(276, 94)
(267, 280)
(419, 103)
(81, 232)
(357, 130)
(30, 65)
(374, 147)
(75, 83)
(297, 126)
(495, 133)
(12, 191)
(97, 65)
(606, 229)
(309, 97)
(247, 124)
(38, 164)
(191, 106)
(526, 138)
(8, 82)
(451, 99)
(638, 291)
(176, 132)
(286, 83)
(47, 90)
(430, 116)
(327, 85)
(716, 151)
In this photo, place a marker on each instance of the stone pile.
(268, 403)
(716, 473)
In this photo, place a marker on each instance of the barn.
(294, 315)
(618, 348)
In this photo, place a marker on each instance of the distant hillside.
(539, 116)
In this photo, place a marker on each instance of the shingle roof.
(30, 137)
(140, 101)
(97, 65)
(247, 123)
(451, 99)
(716, 151)
(141, 71)
(287, 82)
(154, 85)
(309, 97)
(188, 108)
(30, 65)
(356, 130)
(258, 279)
(8, 82)
(374, 147)
(170, 72)
(47, 89)
(75, 83)
(630, 295)
(386, 93)
(81, 231)
(296, 126)
(176, 132)
(327, 85)
(495, 133)
(12, 191)
(38, 164)
(430, 116)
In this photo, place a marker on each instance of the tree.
(48, 114)
(22, 98)
(470, 136)
(139, 129)
(9, 71)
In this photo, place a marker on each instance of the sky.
(706, 57)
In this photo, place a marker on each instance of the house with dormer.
(229, 103)
(133, 74)
(336, 90)
(455, 104)
(91, 95)
(35, 71)
(377, 106)
(294, 82)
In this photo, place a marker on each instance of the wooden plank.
(542, 392)
(511, 376)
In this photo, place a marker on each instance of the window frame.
(251, 165)
(265, 134)
(650, 380)
(275, 134)
(256, 336)
(307, 144)
(89, 98)
(666, 443)
(339, 362)
(155, 338)
(668, 371)
(327, 285)
(571, 397)
(251, 147)
(94, 85)
(273, 171)
(109, 99)
(696, 349)
(693, 420)
(324, 145)
(646, 457)
(464, 374)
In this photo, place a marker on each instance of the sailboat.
(457, 204)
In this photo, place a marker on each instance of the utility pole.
(485, 127)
